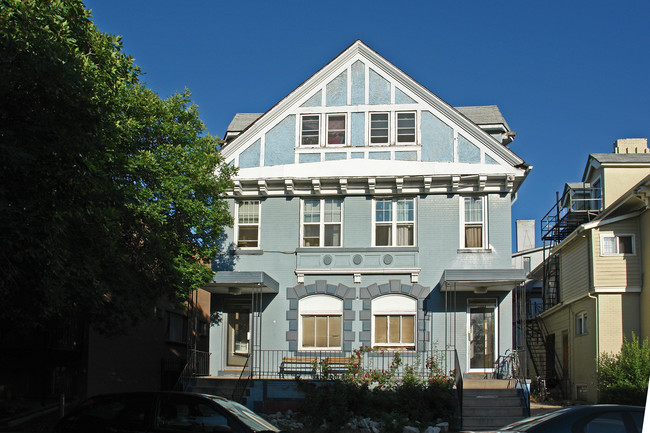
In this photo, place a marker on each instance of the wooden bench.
(338, 364)
(297, 366)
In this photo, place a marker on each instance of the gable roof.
(596, 159)
(380, 64)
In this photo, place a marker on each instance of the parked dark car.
(162, 412)
(583, 419)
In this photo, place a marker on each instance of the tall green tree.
(111, 198)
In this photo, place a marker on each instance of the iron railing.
(198, 364)
(272, 364)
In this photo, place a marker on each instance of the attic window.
(336, 129)
(310, 130)
(406, 128)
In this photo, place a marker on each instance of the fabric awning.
(242, 283)
(481, 280)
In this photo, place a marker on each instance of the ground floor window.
(321, 322)
(394, 320)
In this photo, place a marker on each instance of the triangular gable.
(356, 83)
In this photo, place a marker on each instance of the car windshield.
(247, 416)
(528, 423)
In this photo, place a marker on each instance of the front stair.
(490, 403)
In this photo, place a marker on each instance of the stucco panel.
(437, 139)
(280, 142)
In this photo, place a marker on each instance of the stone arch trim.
(394, 287)
(321, 287)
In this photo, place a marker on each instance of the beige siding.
(618, 180)
(619, 270)
(574, 269)
(645, 258)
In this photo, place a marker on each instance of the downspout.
(595, 298)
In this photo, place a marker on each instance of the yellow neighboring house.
(597, 241)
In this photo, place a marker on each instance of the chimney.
(525, 235)
(631, 145)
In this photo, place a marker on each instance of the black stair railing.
(544, 357)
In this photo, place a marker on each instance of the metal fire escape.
(580, 203)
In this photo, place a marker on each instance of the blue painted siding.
(403, 98)
(490, 160)
(337, 90)
(406, 156)
(358, 129)
(335, 156)
(358, 95)
(251, 156)
(468, 152)
(280, 142)
(379, 155)
(304, 158)
(437, 139)
(314, 101)
(357, 155)
(379, 89)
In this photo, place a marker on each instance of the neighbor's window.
(581, 323)
(248, 224)
(321, 322)
(406, 128)
(176, 327)
(379, 128)
(394, 321)
(322, 221)
(336, 129)
(310, 130)
(395, 222)
(473, 227)
(611, 245)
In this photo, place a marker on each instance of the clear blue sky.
(569, 76)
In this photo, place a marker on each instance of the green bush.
(623, 377)
(380, 395)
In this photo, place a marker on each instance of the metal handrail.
(242, 383)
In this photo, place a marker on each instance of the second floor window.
(613, 245)
(322, 221)
(473, 231)
(581, 323)
(395, 222)
(248, 224)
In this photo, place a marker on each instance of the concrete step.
(488, 384)
(512, 411)
(491, 392)
(490, 401)
(488, 423)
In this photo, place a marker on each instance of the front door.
(481, 336)
(238, 335)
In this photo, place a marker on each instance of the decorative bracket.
(343, 183)
(237, 187)
(288, 186)
(482, 179)
(399, 184)
(371, 184)
(261, 185)
(315, 184)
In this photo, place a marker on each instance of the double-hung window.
(406, 127)
(395, 222)
(322, 221)
(248, 224)
(394, 321)
(310, 130)
(614, 245)
(321, 322)
(581, 323)
(473, 232)
(379, 128)
(336, 129)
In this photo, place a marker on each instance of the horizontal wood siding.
(574, 269)
(619, 270)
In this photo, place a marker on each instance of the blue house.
(368, 212)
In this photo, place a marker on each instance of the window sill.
(473, 250)
(247, 252)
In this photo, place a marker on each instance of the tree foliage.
(623, 377)
(110, 197)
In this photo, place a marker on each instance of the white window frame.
(582, 323)
(388, 129)
(319, 305)
(327, 130)
(321, 223)
(415, 128)
(394, 305)
(318, 136)
(617, 237)
(394, 223)
(238, 224)
(596, 194)
(483, 224)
